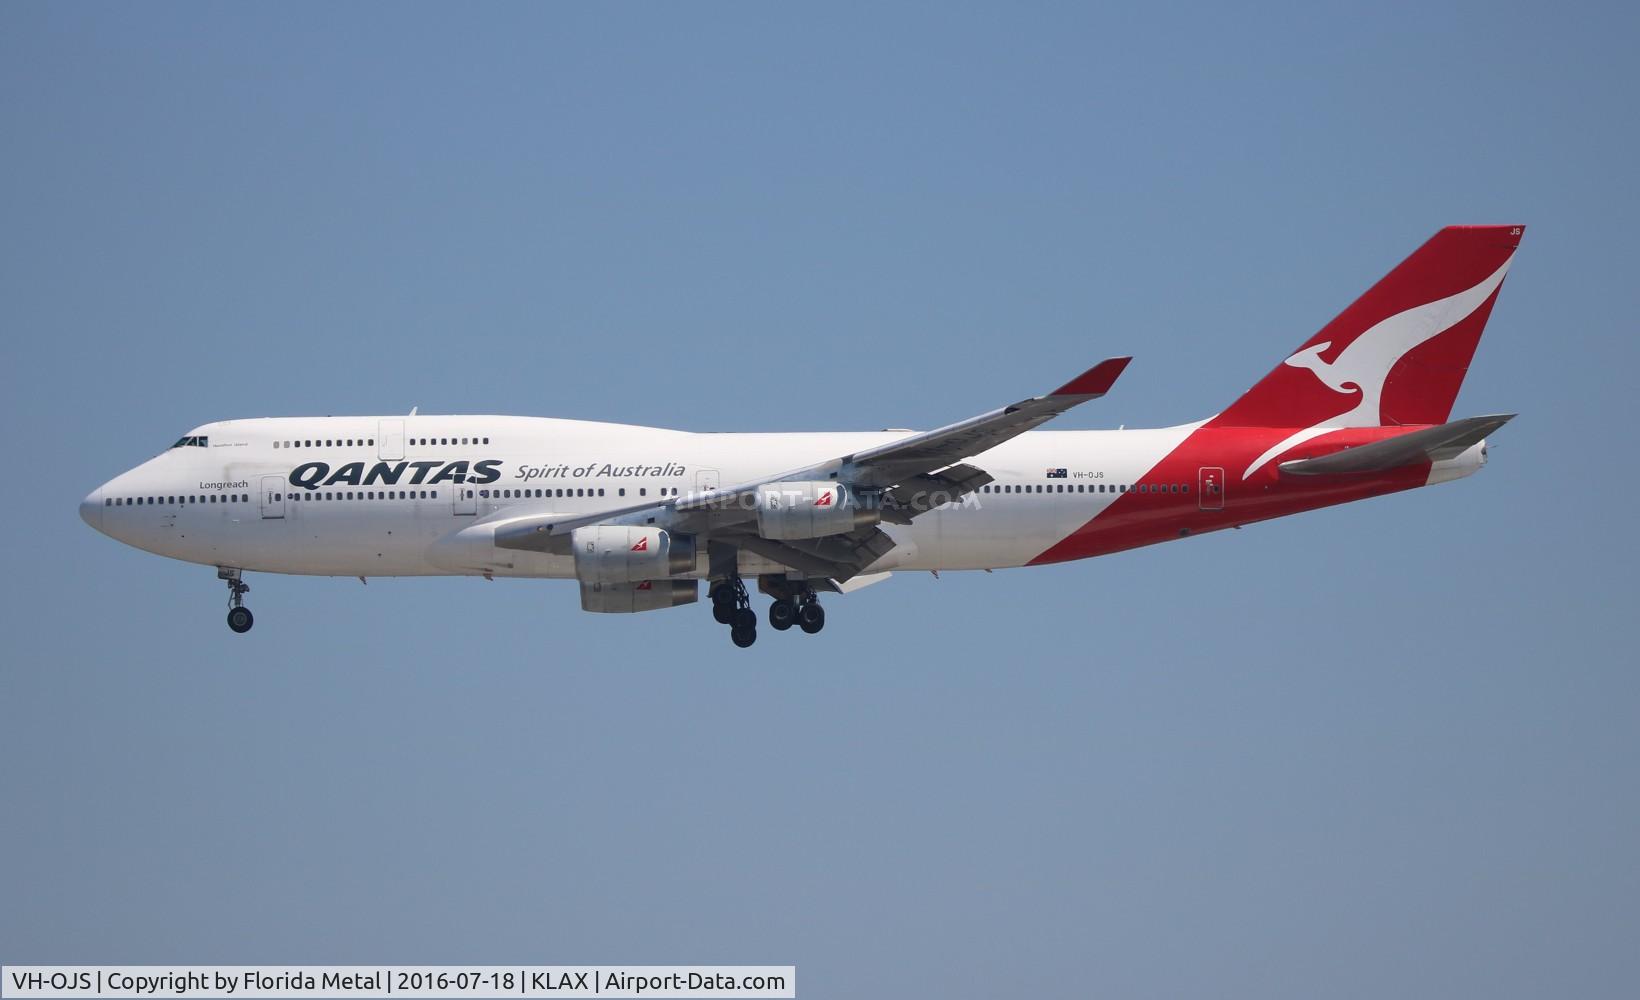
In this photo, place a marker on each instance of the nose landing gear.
(240, 618)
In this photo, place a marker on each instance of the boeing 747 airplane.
(638, 516)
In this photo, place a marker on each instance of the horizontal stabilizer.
(1432, 444)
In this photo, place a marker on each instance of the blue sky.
(1380, 750)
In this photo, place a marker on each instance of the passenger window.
(622, 491)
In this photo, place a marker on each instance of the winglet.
(1096, 381)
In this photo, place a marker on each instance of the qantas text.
(316, 474)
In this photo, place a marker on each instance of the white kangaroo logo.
(1363, 366)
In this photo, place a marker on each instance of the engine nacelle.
(812, 510)
(628, 598)
(618, 553)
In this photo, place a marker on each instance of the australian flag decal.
(1057, 474)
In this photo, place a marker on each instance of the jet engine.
(648, 595)
(812, 509)
(613, 553)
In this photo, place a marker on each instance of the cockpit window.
(193, 442)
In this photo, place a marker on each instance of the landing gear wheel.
(782, 615)
(811, 617)
(239, 616)
(732, 606)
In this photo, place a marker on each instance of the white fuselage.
(407, 496)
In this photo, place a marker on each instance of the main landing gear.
(732, 607)
(795, 603)
(804, 611)
(240, 618)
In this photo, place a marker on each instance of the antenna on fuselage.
(413, 410)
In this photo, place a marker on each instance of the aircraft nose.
(91, 508)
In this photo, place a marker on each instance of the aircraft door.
(706, 479)
(1210, 488)
(273, 496)
(390, 440)
(466, 499)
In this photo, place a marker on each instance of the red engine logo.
(642, 546)
(825, 499)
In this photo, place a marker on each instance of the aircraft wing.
(930, 462)
(891, 463)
